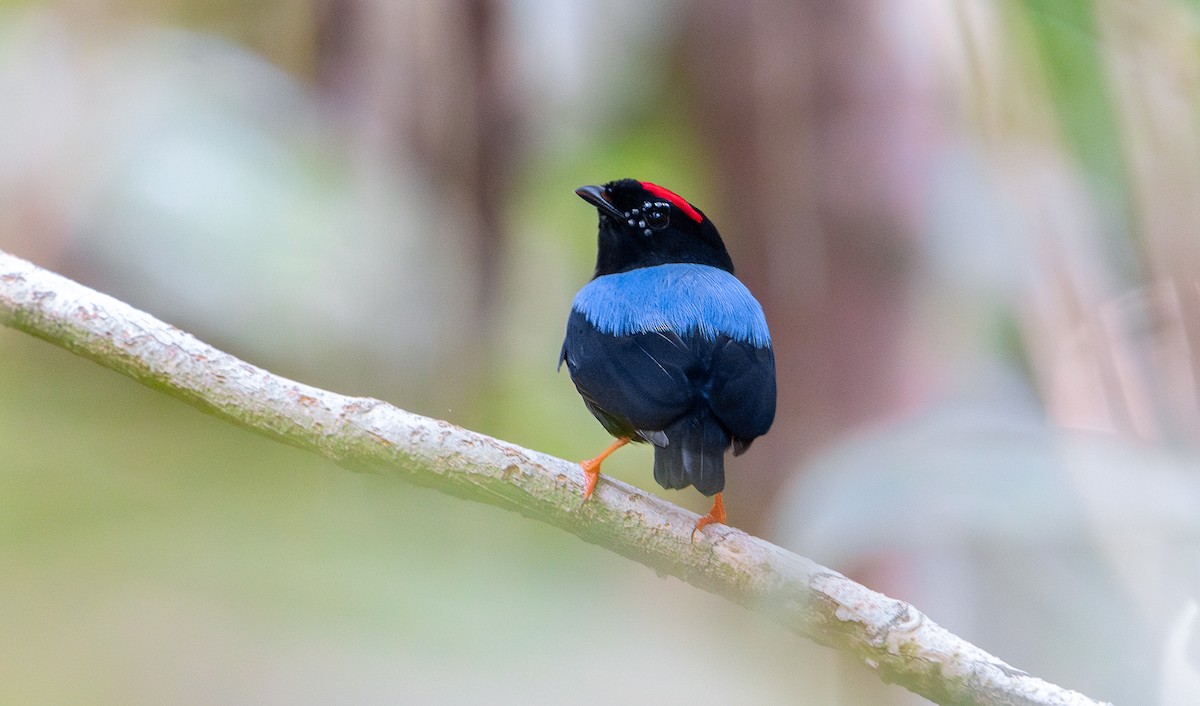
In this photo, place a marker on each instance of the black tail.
(694, 455)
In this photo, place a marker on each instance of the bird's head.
(643, 224)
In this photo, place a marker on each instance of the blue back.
(683, 298)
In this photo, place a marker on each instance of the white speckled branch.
(888, 636)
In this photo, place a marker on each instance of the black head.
(643, 224)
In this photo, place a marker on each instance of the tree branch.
(888, 636)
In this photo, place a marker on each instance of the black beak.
(595, 196)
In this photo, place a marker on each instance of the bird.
(665, 345)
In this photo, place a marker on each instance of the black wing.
(643, 380)
(742, 394)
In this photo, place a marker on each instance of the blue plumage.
(684, 298)
(665, 345)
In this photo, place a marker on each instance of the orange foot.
(591, 467)
(715, 516)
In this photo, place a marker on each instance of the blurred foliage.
(304, 184)
(1067, 39)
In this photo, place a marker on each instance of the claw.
(591, 474)
(591, 467)
(715, 516)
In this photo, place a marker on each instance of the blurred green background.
(973, 227)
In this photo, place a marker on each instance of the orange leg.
(591, 467)
(715, 516)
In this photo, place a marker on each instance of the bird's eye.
(658, 216)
